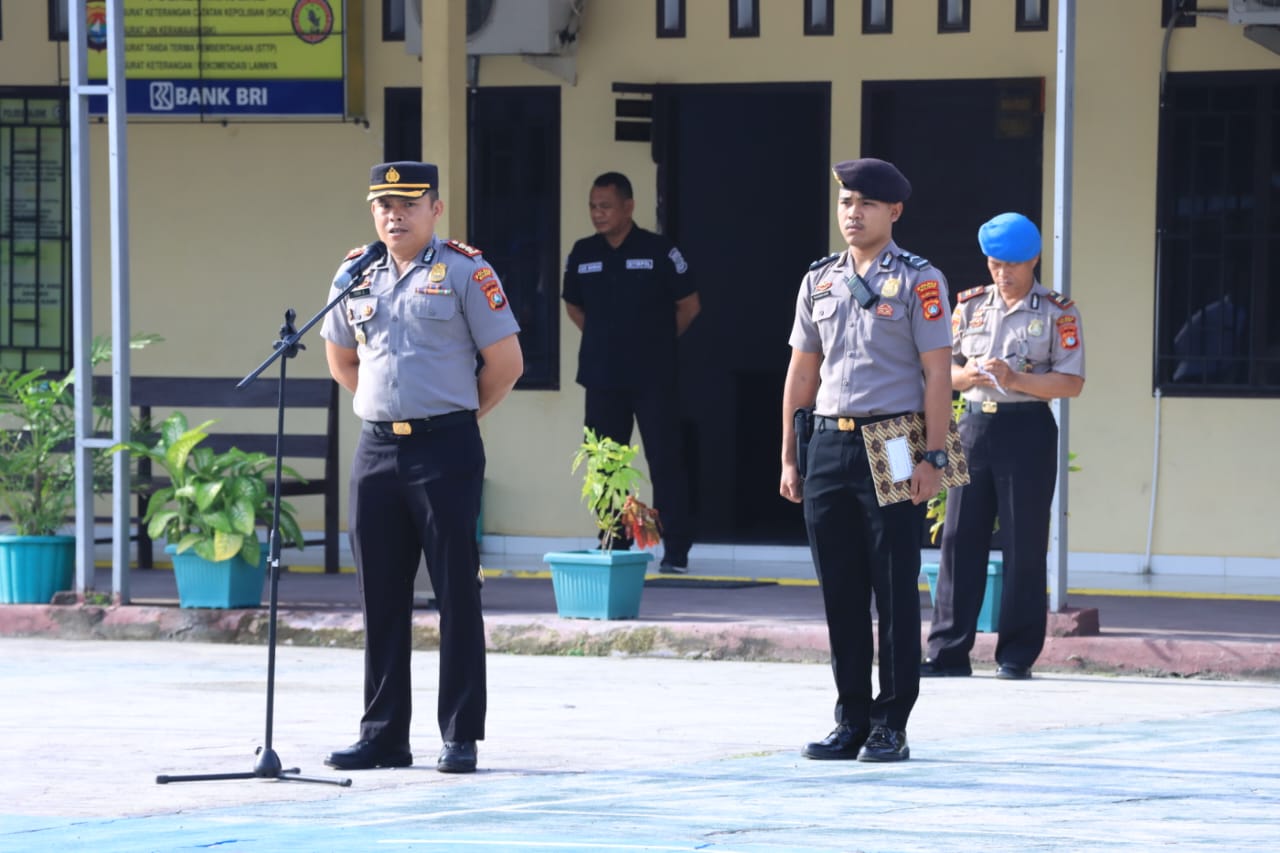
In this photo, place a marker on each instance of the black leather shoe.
(885, 744)
(842, 744)
(366, 755)
(1013, 672)
(457, 757)
(674, 565)
(930, 668)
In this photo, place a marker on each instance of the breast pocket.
(430, 318)
(361, 311)
(975, 343)
(827, 320)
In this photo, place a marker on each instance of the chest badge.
(884, 309)
(890, 288)
(438, 272)
(368, 311)
(360, 336)
(1035, 328)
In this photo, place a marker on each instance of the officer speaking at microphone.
(1016, 345)
(871, 341)
(404, 341)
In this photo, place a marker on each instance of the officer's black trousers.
(611, 412)
(413, 496)
(859, 548)
(1013, 464)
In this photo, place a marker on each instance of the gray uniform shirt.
(417, 336)
(871, 356)
(1039, 334)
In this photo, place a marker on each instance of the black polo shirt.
(628, 295)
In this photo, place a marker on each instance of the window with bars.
(1218, 236)
(35, 231)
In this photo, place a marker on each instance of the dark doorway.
(743, 175)
(514, 206)
(971, 149)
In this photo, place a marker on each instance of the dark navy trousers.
(1013, 466)
(860, 549)
(416, 496)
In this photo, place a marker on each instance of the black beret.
(407, 178)
(876, 179)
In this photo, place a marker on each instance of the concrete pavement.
(621, 753)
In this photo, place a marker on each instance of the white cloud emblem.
(162, 95)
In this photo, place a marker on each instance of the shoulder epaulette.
(822, 262)
(966, 295)
(1058, 299)
(458, 246)
(914, 260)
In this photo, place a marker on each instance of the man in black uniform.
(630, 292)
(870, 342)
(404, 342)
(1016, 346)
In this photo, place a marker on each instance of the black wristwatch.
(936, 458)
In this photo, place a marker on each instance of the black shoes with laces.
(841, 745)
(885, 744)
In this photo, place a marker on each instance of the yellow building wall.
(231, 225)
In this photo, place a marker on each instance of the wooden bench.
(187, 393)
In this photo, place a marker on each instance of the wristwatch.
(936, 458)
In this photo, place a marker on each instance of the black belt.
(418, 426)
(852, 423)
(992, 407)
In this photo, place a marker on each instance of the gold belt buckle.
(846, 424)
(989, 407)
(402, 428)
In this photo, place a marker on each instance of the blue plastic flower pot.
(598, 584)
(226, 584)
(989, 615)
(33, 568)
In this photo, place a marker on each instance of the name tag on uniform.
(594, 266)
(639, 263)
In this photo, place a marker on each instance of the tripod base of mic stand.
(268, 767)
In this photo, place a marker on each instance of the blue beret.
(405, 178)
(873, 178)
(1009, 237)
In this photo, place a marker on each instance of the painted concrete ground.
(623, 754)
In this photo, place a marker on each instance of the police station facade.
(244, 193)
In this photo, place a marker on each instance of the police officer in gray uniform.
(405, 342)
(871, 341)
(1016, 345)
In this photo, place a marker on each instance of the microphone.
(369, 255)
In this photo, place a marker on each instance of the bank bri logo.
(161, 95)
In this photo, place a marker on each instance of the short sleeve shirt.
(1039, 334)
(417, 336)
(628, 295)
(871, 356)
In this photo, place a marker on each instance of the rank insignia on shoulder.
(354, 253)
(1058, 299)
(914, 260)
(458, 246)
(972, 292)
(822, 262)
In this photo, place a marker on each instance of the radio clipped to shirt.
(861, 293)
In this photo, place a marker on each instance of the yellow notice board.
(227, 57)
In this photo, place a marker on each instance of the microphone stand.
(268, 765)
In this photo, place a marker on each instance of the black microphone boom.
(374, 252)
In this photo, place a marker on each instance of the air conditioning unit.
(516, 26)
(1254, 12)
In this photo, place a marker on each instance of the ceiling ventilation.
(1253, 12)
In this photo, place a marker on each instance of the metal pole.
(1064, 124)
(82, 294)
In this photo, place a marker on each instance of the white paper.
(991, 376)
(899, 453)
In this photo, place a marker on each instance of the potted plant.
(38, 477)
(607, 583)
(210, 512)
